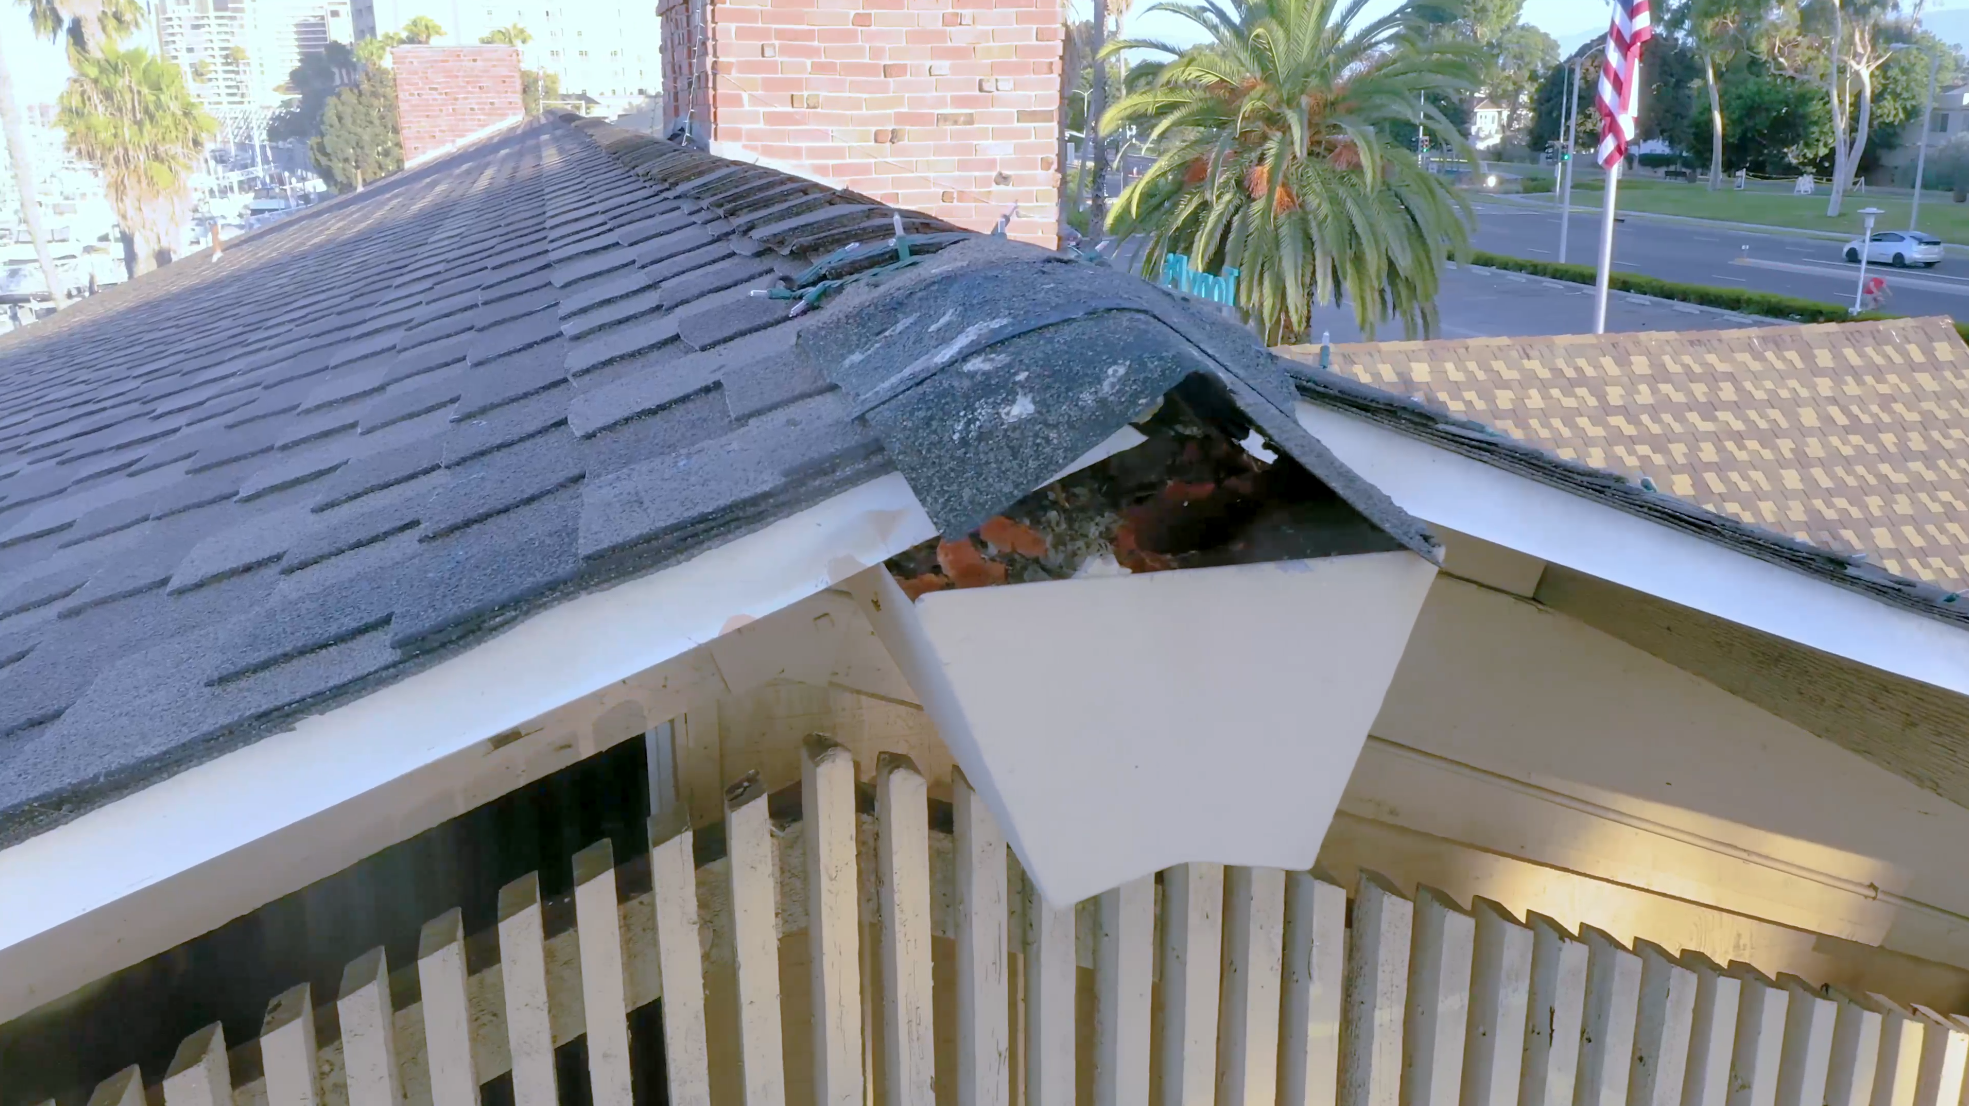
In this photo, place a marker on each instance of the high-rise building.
(604, 49)
(236, 54)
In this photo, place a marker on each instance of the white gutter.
(179, 858)
(1564, 528)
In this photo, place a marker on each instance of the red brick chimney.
(450, 96)
(945, 106)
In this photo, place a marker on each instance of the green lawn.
(1940, 215)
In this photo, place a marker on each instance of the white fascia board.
(1560, 527)
(74, 896)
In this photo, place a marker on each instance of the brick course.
(946, 106)
(448, 93)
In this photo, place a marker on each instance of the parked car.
(1899, 248)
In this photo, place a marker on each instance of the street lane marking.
(1850, 273)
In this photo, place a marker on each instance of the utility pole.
(1921, 156)
(1565, 166)
(1097, 105)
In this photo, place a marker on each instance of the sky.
(41, 68)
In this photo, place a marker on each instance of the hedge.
(1741, 300)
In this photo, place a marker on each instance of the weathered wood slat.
(827, 789)
(1050, 980)
(984, 1050)
(369, 1040)
(1315, 965)
(1662, 1029)
(1712, 1032)
(1438, 1008)
(1553, 1014)
(125, 1088)
(1606, 1042)
(908, 1028)
(1500, 989)
(755, 939)
(1191, 964)
(523, 971)
(1897, 1075)
(199, 1075)
(1855, 1052)
(1376, 994)
(447, 1017)
(1248, 1016)
(1760, 1038)
(603, 993)
(288, 1048)
(1944, 1053)
(1124, 967)
(686, 1056)
(1808, 1024)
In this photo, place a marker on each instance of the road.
(1810, 268)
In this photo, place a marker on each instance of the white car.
(1899, 248)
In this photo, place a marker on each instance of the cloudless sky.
(40, 69)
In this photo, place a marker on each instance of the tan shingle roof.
(1852, 436)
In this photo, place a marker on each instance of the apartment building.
(237, 53)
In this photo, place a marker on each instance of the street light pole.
(1565, 167)
(1866, 247)
(1921, 156)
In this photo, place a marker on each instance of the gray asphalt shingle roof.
(234, 493)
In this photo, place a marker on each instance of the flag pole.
(1606, 249)
(1605, 277)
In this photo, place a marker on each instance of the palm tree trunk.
(10, 124)
(1715, 124)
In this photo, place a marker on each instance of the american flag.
(1618, 78)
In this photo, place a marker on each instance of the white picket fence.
(1210, 986)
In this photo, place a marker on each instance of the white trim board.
(1564, 528)
(178, 858)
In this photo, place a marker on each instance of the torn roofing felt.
(984, 383)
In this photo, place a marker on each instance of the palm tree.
(1276, 156)
(512, 34)
(89, 24)
(130, 115)
(421, 30)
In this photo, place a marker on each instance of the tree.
(130, 115)
(88, 24)
(1524, 54)
(372, 51)
(1719, 29)
(1275, 157)
(201, 72)
(318, 77)
(1837, 44)
(421, 30)
(358, 142)
(511, 34)
(538, 87)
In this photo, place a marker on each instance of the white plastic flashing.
(193, 851)
(1462, 493)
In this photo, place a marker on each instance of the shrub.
(1537, 184)
(1741, 300)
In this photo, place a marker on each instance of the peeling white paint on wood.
(984, 1074)
(1712, 1032)
(755, 938)
(288, 1050)
(1761, 1010)
(447, 1014)
(1856, 1052)
(1944, 1053)
(1315, 966)
(1606, 1032)
(369, 1039)
(686, 1057)
(908, 1031)
(1897, 1076)
(1376, 994)
(1438, 1006)
(1185, 1030)
(125, 1088)
(1808, 1024)
(1248, 1019)
(199, 1075)
(603, 999)
(1662, 1029)
(1500, 991)
(827, 790)
(1553, 1015)
(1124, 970)
(523, 971)
(1051, 978)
